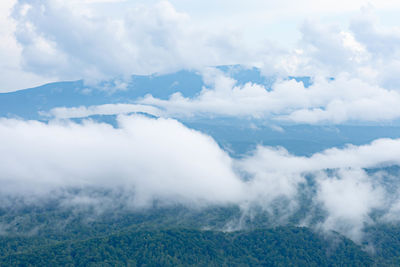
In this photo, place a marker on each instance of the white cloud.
(329, 50)
(160, 159)
(63, 40)
(347, 193)
(326, 101)
(348, 100)
(381, 151)
(364, 61)
(106, 109)
(60, 39)
(12, 77)
(349, 200)
(148, 158)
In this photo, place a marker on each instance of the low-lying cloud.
(336, 101)
(153, 158)
(162, 160)
(106, 109)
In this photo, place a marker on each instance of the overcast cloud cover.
(356, 44)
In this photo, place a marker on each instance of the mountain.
(237, 135)
(101, 225)
(175, 236)
(183, 247)
(28, 103)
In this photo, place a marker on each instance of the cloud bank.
(335, 101)
(161, 160)
(153, 158)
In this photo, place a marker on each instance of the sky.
(350, 49)
(52, 40)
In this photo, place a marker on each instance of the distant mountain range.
(237, 135)
(28, 102)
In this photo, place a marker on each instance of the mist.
(143, 160)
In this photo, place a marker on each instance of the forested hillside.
(180, 237)
(182, 247)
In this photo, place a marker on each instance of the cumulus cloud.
(58, 40)
(339, 100)
(366, 50)
(329, 50)
(64, 40)
(363, 61)
(12, 76)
